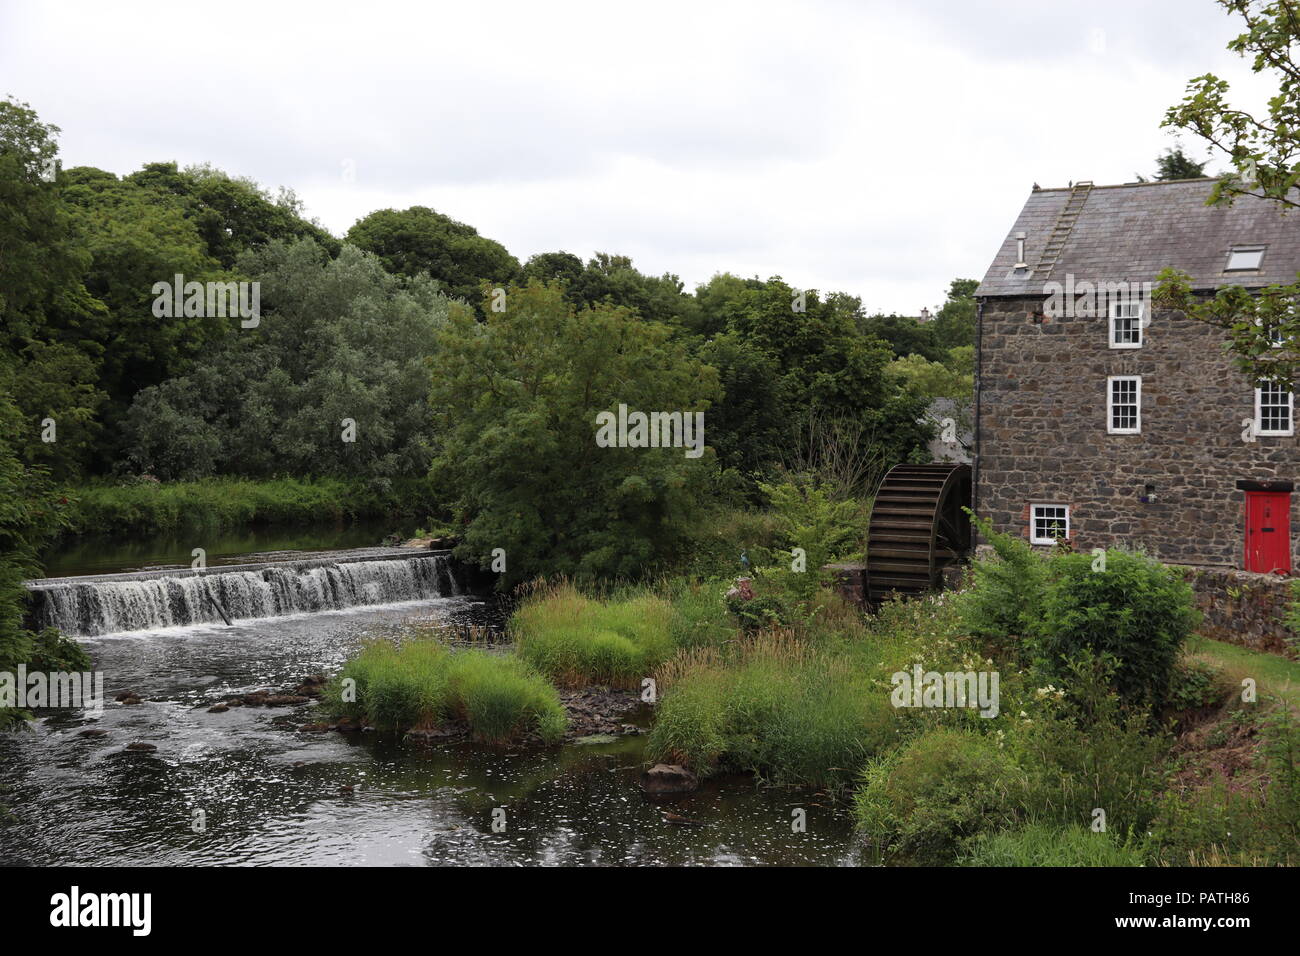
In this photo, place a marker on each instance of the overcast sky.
(876, 148)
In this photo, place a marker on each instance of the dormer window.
(1244, 258)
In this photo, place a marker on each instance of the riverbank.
(145, 507)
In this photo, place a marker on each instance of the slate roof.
(1130, 233)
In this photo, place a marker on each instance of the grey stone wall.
(1244, 608)
(1043, 440)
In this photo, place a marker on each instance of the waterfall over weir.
(145, 600)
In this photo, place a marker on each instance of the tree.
(41, 260)
(954, 323)
(1264, 151)
(515, 402)
(748, 425)
(828, 368)
(1175, 164)
(1263, 330)
(259, 404)
(904, 336)
(29, 515)
(418, 240)
(136, 237)
(554, 267)
(44, 304)
(718, 301)
(232, 214)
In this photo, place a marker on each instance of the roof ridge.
(1154, 182)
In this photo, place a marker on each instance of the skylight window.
(1244, 258)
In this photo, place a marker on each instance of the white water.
(108, 606)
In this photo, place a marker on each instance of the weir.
(144, 600)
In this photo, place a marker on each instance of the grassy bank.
(422, 685)
(1274, 675)
(147, 507)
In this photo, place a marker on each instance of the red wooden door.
(1268, 531)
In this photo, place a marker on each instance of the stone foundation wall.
(1239, 607)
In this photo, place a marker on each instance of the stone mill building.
(1107, 422)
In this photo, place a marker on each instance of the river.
(272, 795)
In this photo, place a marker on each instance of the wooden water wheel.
(918, 528)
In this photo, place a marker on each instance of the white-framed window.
(1048, 523)
(1126, 325)
(1124, 404)
(1274, 329)
(1244, 258)
(1274, 410)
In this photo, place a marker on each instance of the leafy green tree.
(515, 402)
(719, 300)
(827, 368)
(41, 259)
(1175, 164)
(44, 303)
(809, 519)
(1264, 152)
(136, 238)
(29, 515)
(613, 279)
(418, 240)
(931, 380)
(55, 383)
(954, 323)
(904, 336)
(260, 404)
(233, 214)
(554, 266)
(748, 426)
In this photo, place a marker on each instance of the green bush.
(810, 518)
(422, 684)
(927, 799)
(1084, 749)
(1195, 685)
(1136, 610)
(764, 609)
(1040, 845)
(578, 640)
(1003, 601)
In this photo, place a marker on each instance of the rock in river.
(668, 778)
